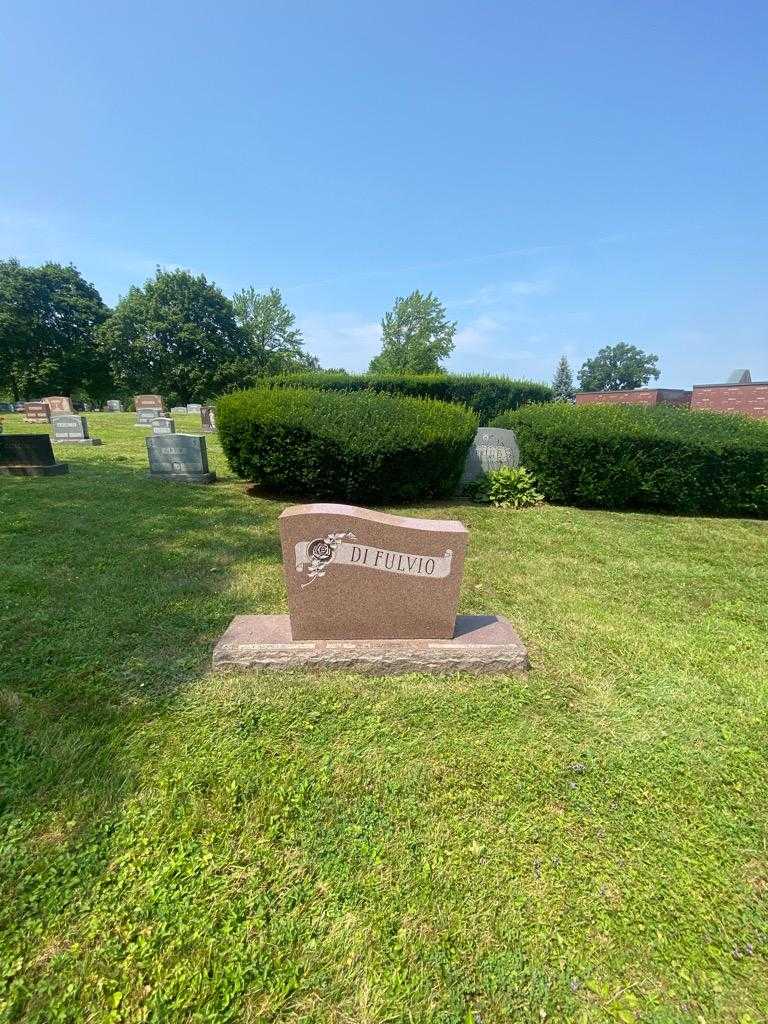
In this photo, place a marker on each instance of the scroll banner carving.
(317, 554)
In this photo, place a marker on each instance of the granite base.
(82, 440)
(481, 644)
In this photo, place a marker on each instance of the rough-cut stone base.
(481, 644)
(82, 440)
(55, 470)
(184, 478)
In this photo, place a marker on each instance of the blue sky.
(562, 175)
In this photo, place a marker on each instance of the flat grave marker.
(179, 458)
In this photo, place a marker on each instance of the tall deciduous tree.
(177, 336)
(562, 385)
(618, 367)
(49, 316)
(416, 336)
(275, 343)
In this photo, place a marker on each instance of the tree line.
(179, 335)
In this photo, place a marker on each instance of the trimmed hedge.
(487, 396)
(357, 447)
(663, 458)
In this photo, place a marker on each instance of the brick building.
(640, 396)
(750, 399)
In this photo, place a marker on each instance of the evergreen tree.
(562, 385)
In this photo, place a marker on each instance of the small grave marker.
(113, 405)
(181, 458)
(37, 412)
(179, 410)
(146, 417)
(194, 407)
(163, 425)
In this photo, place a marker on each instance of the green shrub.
(363, 446)
(487, 396)
(662, 458)
(505, 487)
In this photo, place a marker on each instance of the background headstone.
(182, 458)
(179, 410)
(58, 404)
(7, 407)
(72, 429)
(208, 419)
(146, 417)
(492, 448)
(355, 574)
(194, 407)
(113, 405)
(29, 455)
(149, 402)
(163, 425)
(37, 412)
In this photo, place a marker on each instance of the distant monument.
(37, 412)
(371, 592)
(58, 404)
(113, 405)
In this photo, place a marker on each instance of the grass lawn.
(585, 844)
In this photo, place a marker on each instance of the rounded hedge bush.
(487, 396)
(663, 458)
(363, 446)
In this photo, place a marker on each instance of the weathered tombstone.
(37, 412)
(7, 407)
(179, 410)
(149, 402)
(371, 592)
(194, 407)
(181, 458)
(492, 448)
(163, 425)
(29, 455)
(113, 405)
(146, 417)
(20, 407)
(72, 429)
(58, 404)
(208, 419)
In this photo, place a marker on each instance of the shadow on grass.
(113, 590)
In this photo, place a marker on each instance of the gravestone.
(36, 412)
(29, 455)
(180, 458)
(163, 425)
(146, 417)
(149, 402)
(492, 448)
(371, 592)
(72, 429)
(208, 419)
(58, 404)
(7, 407)
(193, 407)
(179, 410)
(113, 405)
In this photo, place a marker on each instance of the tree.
(275, 344)
(176, 336)
(618, 367)
(49, 316)
(562, 385)
(416, 336)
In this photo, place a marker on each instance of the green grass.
(585, 844)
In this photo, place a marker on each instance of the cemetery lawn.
(584, 844)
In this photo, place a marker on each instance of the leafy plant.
(506, 487)
(361, 446)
